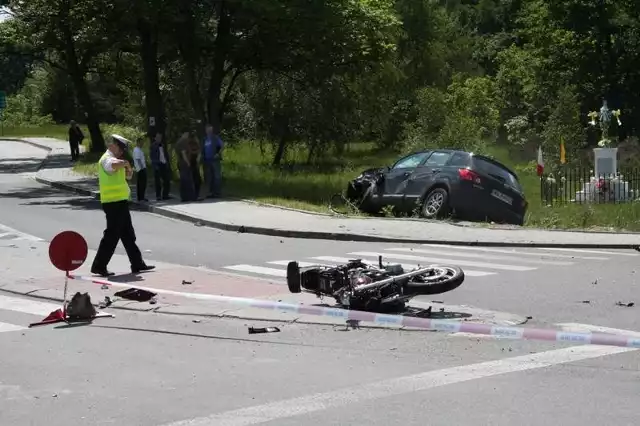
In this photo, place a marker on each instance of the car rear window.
(496, 171)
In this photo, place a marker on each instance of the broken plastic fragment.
(253, 330)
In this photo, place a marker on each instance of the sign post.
(67, 252)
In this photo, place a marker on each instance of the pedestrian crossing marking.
(406, 266)
(515, 252)
(421, 256)
(27, 306)
(258, 270)
(6, 231)
(620, 253)
(477, 256)
(6, 327)
(445, 261)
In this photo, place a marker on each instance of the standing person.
(159, 155)
(194, 163)
(211, 161)
(113, 173)
(75, 139)
(140, 166)
(187, 185)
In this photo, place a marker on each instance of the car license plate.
(502, 197)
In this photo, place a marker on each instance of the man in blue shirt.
(211, 161)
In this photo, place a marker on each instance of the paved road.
(549, 285)
(147, 369)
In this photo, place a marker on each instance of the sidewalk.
(28, 271)
(249, 217)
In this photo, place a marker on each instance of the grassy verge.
(51, 131)
(248, 174)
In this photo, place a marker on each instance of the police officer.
(113, 173)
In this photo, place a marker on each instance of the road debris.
(185, 282)
(354, 324)
(253, 330)
(586, 302)
(626, 305)
(105, 303)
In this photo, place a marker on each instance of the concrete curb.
(318, 235)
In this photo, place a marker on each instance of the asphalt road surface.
(549, 285)
(143, 369)
(147, 369)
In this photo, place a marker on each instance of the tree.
(70, 35)
(219, 40)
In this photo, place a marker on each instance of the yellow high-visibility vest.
(113, 187)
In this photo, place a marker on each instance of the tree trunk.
(153, 95)
(214, 101)
(277, 158)
(78, 73)
(97, 140)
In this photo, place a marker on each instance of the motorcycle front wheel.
(439, 279)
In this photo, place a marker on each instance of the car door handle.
(437, 170)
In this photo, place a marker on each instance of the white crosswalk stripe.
(408, 266)
(610, 253)
(477, 262)
(21, 305)
(478, 256)
(514, 252)
(9, 234)
(442, 260)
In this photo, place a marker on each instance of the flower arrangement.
(604, 117)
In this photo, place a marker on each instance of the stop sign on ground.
(68, 250)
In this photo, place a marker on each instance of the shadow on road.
(48, 196)
(19, 165)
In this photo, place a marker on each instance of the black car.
(442, 182)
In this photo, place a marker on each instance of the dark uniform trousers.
(119, 227)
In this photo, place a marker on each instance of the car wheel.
(435, 204)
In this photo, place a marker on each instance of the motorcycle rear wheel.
(293, 277)
(441, 279)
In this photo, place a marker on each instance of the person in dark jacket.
(75, 139)
(159, 155)
(184, 152)
(211, 162)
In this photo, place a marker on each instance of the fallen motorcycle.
(362, 286)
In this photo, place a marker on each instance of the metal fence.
(582, 186)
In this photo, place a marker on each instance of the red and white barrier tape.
(588, 338)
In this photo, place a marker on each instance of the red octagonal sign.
(68, 250)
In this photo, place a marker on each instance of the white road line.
(26, 306)
(478, 256)
(445, 261)
(286, 262)
(399, 386)
(583, 328)
(516, 253)
(19, 235)
(610, 253)
(409, 266)
(258, 270)
(6, 327)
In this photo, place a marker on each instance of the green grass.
(51, 131)
(248, 174)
